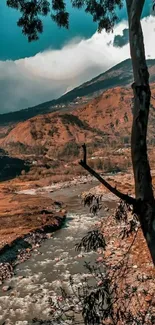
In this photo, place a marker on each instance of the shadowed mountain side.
(11, 167)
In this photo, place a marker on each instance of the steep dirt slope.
(51, 143)
(47, 132)
(108, 117)
(111, 112)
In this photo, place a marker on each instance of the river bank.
(25, 222)
(24, 207)
(21, 249)
(27, 299)
(29, 217)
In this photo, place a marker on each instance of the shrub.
(74, 120)
(52, 131)
(126, 117)
(117, 122)
(34, 134)
(99, 164)
(111, 167)
(126, 140)
(55, 164)
(70, 149)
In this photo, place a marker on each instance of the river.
(50, 266)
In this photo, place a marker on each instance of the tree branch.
(128, 199)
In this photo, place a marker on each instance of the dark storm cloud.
(121, 40)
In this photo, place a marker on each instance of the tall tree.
(104, 13)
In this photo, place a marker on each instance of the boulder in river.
(6, 288)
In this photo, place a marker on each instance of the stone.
(60, 298)
(80, 255)
(69, 313)
(99, 259)
(99, 251)
(28, 250)
(6, 288)
(107, 253)
(57, 259)
(148, 298)
(63, 211)
(14, 293)
(20, 277)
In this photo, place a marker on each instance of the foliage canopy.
(102, 11)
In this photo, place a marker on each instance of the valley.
(42, 186)
(50, 144)
(46, 149)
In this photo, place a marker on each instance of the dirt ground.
(22, 213)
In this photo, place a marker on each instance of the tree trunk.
(142, 94)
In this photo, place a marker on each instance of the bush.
(55, 164)
(126, 117)
(74, 120)
(111, 167)
(52, 131)
(96, 163)
(99, 164)
(126, 140)
(34, 134)
(117, 122)
(70, 149)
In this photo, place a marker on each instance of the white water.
(49, 267)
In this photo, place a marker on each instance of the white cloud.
(47, 75)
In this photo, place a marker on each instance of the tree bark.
(142, 94)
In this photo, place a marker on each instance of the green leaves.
(102, 11)
(59, 14)
(30, 21)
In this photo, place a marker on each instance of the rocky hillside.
(119, 75)
(52, 141)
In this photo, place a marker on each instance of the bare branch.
(122, 196)
(84, 153)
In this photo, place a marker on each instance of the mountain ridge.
(119, 75)
(51, 143)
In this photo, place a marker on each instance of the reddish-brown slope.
(111, 112)
(47, 130)
(107, 117)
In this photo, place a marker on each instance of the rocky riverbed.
(26, 297)
(28, 220)
(31, 295)
(22, 248)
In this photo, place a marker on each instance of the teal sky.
(14, 45)
(47, 68)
